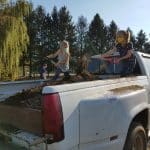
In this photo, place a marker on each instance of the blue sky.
(126, 13)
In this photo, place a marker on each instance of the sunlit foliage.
(13, 36)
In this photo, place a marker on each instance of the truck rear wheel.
(136, 138)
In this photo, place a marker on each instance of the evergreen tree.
(14, 38)
(42, 38)
(61, 28)
(67, 28)
(111, 34)
(96, 39)
(49, 46)
(41, 32)
(141, 40)
(81, 28)
(53, 31)
(37, 27)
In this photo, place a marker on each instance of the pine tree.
(111, 34)
(53, 31)
(37, 30)
(141, 39)
(81, 28)
(96, 39)
(67, 28)
(14, 38)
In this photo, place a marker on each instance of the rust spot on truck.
(126, 89)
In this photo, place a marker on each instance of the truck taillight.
(53, 117)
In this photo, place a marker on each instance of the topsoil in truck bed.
(32, 98)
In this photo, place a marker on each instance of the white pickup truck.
(106, 114)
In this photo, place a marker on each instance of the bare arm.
(108, 53)
(53, 55)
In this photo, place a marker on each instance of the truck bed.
(14, 118)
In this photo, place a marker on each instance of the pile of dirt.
(32, 98)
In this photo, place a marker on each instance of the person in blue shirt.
(124, 51)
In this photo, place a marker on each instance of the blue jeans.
(58, 72)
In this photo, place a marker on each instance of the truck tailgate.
(22, 118)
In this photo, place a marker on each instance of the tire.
(136, 138)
